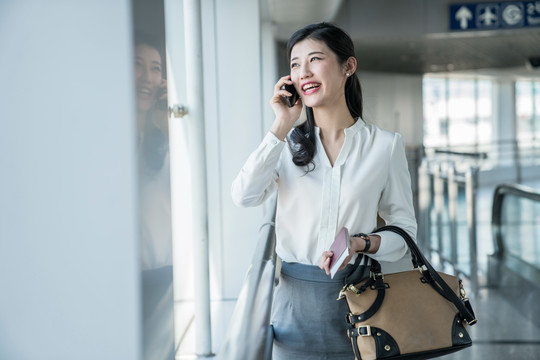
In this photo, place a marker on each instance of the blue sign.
(492, 16)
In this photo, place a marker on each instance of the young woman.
(332, 171)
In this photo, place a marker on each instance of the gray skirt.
(308, 321)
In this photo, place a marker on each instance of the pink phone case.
(340, 244)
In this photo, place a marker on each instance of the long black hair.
(303, 145)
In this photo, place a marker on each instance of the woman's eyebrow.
(311, 53)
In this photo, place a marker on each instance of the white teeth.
(309, 86)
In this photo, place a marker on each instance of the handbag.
(416, 314)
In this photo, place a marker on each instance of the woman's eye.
(293, 65)
(315, 58)
(157, 69)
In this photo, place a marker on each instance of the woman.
(332, 171)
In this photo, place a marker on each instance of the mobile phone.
(290, 100)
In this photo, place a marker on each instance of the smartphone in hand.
(290, 100)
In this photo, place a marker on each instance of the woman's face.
(317, 74)
(148, 78)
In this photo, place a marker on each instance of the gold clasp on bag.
(464, 298)
(368, 330)
(462, 292)
(342, 292)
(375, 275)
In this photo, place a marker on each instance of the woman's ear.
(350, 65)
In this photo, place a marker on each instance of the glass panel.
(521, 229)
(524, 109)
(435, 112)
(485, 111)
(458, 113)
(154, 180)
(462, 112)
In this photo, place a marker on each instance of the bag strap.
(419, 260)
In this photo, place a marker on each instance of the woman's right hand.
(285, 116)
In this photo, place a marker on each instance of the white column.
(197, 153)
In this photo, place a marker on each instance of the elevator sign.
(494, 16)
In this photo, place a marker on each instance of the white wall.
(394, 102)
(69, 267)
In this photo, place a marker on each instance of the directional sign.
(492, 16)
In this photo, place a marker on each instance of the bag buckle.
(374, 275)
(358, 331)
(368, 330)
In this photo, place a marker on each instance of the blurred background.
(124, 124)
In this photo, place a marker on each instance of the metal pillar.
(424, 205)
(197, 154)
(471, 185)
(453, 192)
(438, 189)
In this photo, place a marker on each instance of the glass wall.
(155, 232)
(458, 112)
(528, 119)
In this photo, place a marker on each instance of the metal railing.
(250, 335)
(517, 154)
(444, 230)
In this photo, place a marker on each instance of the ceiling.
(423, 55)
(415, 51)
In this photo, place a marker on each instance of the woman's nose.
(305, 72)
(144, 74)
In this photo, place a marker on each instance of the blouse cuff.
(272, 139)
(392, 247)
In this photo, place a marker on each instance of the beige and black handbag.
(416, 314)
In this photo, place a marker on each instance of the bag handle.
(419, 260)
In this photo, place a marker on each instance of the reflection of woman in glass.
(150, 83)
(151, 91)
(155, 201)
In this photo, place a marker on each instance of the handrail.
(499, 195)
(249, 335)
(481, 155)
(516, 153)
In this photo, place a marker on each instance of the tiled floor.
(502, 332)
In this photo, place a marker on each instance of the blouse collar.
(346, 148)
(351, 130)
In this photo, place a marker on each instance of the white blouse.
(369, 177)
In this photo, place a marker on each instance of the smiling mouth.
(144, 91)
(309, 88)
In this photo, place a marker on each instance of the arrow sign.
(463, 15)
(485, 16)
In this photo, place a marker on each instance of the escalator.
(514, 267)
